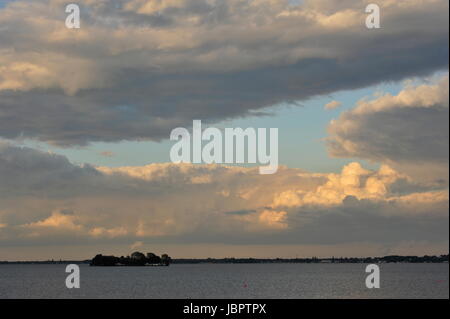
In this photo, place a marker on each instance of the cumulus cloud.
(45, 198)
(353, 181)
(408, 131)
(136, 69)
(56, 220)
(332, 105)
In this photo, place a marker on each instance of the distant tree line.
(139, 259)
(370, 260)
(136, 259)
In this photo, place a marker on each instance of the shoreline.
(313, 260)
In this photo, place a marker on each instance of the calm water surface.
(227, 281)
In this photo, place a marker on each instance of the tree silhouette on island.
(136, 259)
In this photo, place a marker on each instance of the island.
(135, 259)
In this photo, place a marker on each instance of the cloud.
(56, 220)
(274, 219)
(332, 105)
(353, 181)
(136, 244)
(104, 232)
(137, 69)
(242, 212)
(408, 131)
(47, 199)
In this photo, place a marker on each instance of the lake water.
(227, 281)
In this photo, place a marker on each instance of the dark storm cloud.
(138, 69)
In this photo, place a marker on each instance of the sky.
(86, 115)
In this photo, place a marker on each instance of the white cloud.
(408, 131)
(332, 105)
(46, 198)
